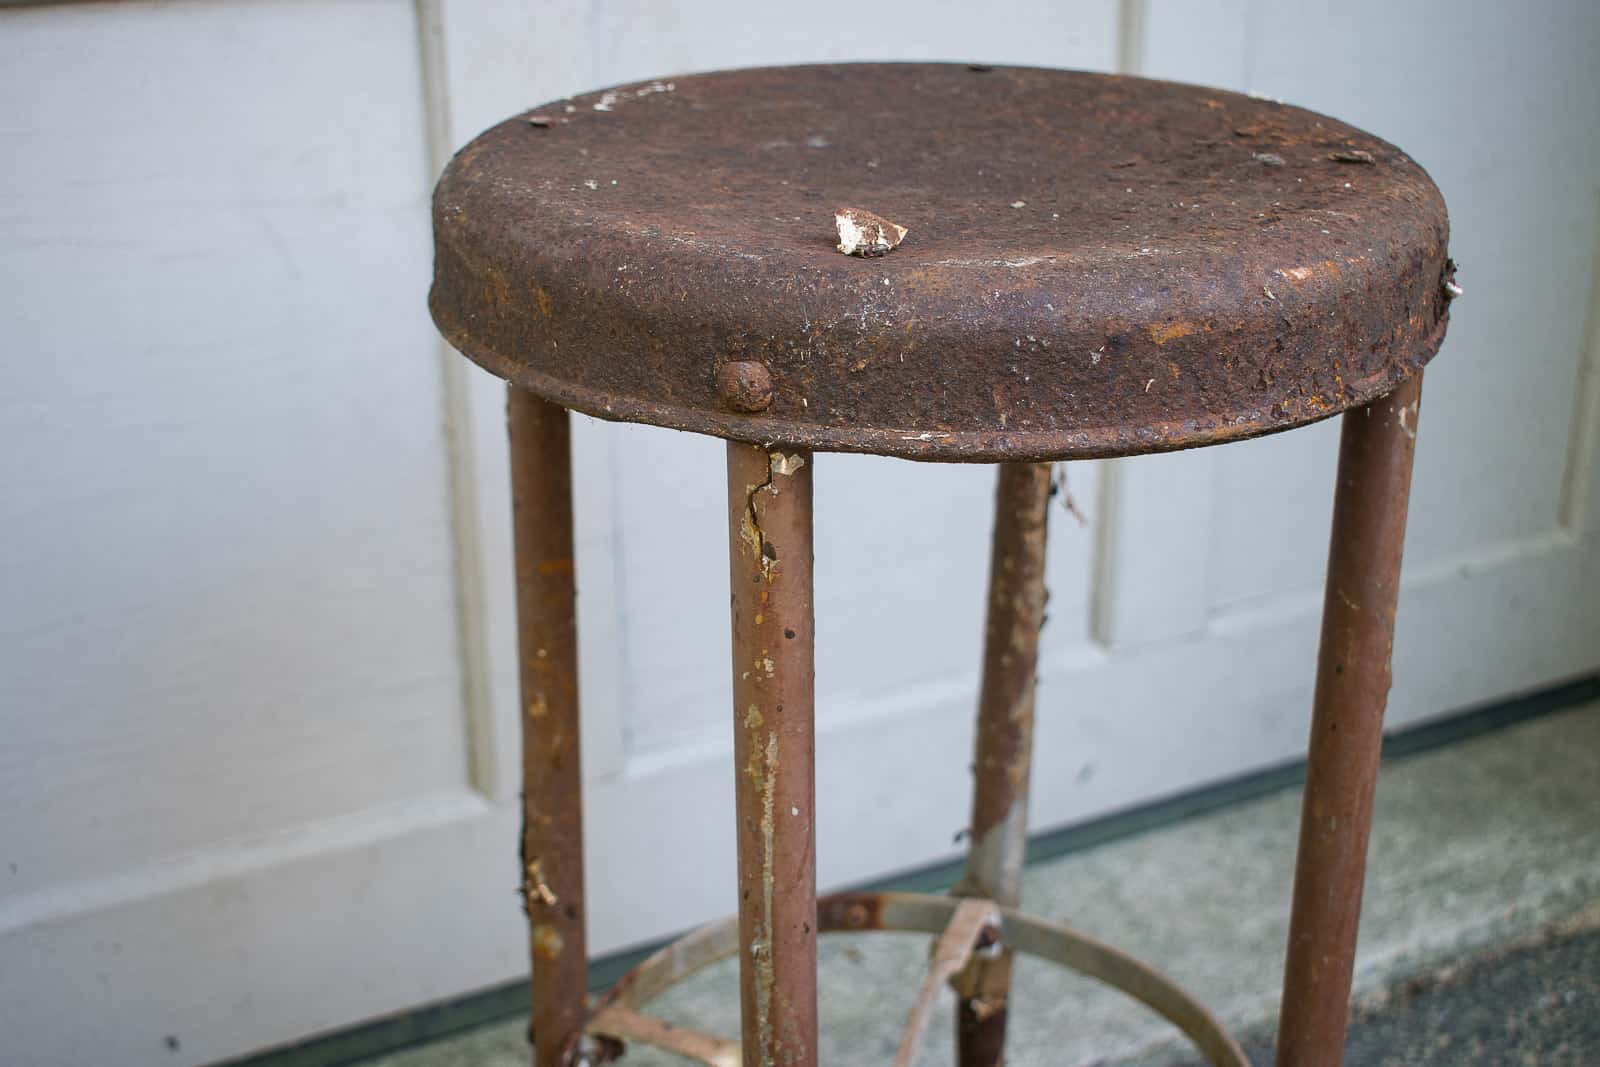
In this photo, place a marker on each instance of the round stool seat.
(1094, 265)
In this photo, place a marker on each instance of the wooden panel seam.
(1579, 477)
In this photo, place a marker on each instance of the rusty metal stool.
(1095, 266)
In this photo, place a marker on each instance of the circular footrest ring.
(617, 1018)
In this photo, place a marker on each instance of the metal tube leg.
(769, 516)
(1353, 674)
(552, 796)
(1005, 742)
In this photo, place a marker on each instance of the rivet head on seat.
(745, 385)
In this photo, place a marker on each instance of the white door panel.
(1492, 103)
(227, 604)
(227, 633)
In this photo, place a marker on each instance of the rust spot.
(547, 942)
(1171, 331)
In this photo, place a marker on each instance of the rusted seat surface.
(1095, 265)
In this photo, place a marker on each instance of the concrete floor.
(1533, 1003)
(1477, 848)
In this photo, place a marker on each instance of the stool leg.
(769, 516)
(1005, 742)
(552, 790)
(1353, 674)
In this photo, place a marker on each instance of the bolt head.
(745, 385)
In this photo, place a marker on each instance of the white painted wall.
(257, 713)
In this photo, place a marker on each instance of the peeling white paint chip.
(861, 233)
(1408, 411)
(610, 97)
(786, 466)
